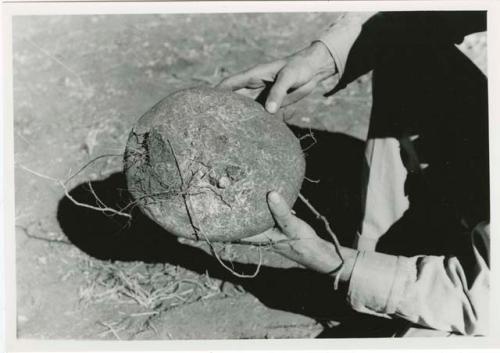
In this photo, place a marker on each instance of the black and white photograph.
(260, 175)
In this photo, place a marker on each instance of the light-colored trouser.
(385, 200)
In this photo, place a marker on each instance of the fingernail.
(274, 197)
(271, 107)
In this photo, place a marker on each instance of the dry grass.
(154, 287)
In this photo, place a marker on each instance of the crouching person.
(422, 250)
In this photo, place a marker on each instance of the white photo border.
(7, 155)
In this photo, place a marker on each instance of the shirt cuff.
(378, 282)
(340, 37)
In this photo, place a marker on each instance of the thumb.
(287, 222)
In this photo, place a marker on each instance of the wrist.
(321, 58)
(349, 256)
(344, 272)
(328, 261)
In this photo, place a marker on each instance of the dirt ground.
(80, 83)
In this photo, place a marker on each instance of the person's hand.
(292, 78)
(296, 240)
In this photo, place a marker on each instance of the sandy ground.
(80, 82)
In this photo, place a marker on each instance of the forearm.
(432, 291)
(341, 36)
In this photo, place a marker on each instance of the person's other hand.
(292, 78)
(296, 240)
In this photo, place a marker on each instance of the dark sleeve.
(420, 28)
(388, 32)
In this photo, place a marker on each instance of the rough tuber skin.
(202, 161)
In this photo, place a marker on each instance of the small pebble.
(223, 182)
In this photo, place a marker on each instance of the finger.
(252, 93)
(281, 213)
(285, 80)
(299, 93)
(252, 78)
(306, 89)
(239, 81)
(269, 236)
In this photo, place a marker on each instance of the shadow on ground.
(334, 159)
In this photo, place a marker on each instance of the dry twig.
(329, 230)
(62, 184)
